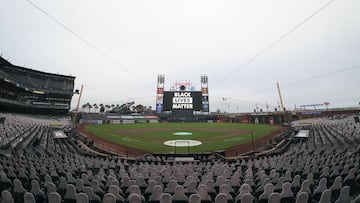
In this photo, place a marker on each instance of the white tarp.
(59, 135)
(302, 134)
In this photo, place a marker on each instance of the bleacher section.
(330, 133)
(323, 168)
(27, 89)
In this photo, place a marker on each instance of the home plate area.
(182, 143)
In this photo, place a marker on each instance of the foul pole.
(281, 101)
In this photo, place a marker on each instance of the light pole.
(226, 101)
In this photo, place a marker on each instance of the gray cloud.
(185, 39)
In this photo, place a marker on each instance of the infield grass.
(150, 136)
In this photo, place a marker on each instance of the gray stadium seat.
(54, 197)
(29, 198)
(6, 197)
(322, 186)
(244, 188)
(202, 191)
(97, 189)
(263, 198)
(221, 198)
(170, 188)
(165, 198)
(344, 196)
(18, 191)
(286, 194)
(37, 192)
(325, 196)
(79, 185)
(50, 187)
(274, 198)
(305, 187)
(62, 186)
(155, 196)
(70, 195)
(109, 198)
(247, 198)
(302, 197)
(5, 179)
(191, 188)
(194, 198)
(225, 189)
(179, 195)
(114, 189)
(82, 198)
(336, 188)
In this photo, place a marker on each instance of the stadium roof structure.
(24, 89)
(37, 82)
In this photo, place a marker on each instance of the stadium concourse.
(38, 166)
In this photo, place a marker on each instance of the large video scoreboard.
(182, 100)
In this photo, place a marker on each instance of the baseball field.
(180, 137)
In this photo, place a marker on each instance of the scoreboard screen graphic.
(182, 100)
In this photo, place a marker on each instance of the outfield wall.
(112, 118)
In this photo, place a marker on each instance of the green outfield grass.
(150, 137)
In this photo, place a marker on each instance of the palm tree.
(326, 105)
(89, 106)
(139, 108)
(83, 107)
(95, 107)
(102, 108)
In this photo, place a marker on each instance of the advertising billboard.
(160, 93)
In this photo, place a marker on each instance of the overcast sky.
(117, 48)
